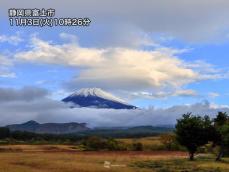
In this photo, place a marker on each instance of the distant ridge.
(96, 98)
(80, 129)
(51, 128)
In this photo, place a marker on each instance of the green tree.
(221, 133)
(191, 132)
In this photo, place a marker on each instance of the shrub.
(137, 146)
(96, 143)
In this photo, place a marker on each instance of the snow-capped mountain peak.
(97, 98)
(98, 92)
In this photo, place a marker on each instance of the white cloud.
(161, 94)
(5, 65)
(208, 71)
(69, 37)
(5, 61)
(185, 93)
(66, 54)
(213, 94)
(11, 39)
(158, 70)
(5, 73)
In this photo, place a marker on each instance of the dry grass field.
(149, 143)
(66, 158)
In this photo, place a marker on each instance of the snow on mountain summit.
(98, 93)
(97, 98)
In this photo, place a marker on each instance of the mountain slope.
(96, 98)
(51, 128)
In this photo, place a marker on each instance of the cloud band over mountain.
(43, 109)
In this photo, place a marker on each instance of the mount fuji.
(96, 98)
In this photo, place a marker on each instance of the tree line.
(30, 137)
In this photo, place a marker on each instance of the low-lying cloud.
(43, 109)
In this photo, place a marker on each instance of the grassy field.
(67, 158)
(149, 143)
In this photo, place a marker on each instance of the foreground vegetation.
(194, 131)
(202, 164)
(201, 137)
(67, 158)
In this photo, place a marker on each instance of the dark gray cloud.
(23, 94)
(192, 20)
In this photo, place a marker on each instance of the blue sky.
(185, 54)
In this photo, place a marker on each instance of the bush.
(95, 143)
(137, 146)
(113, 145)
